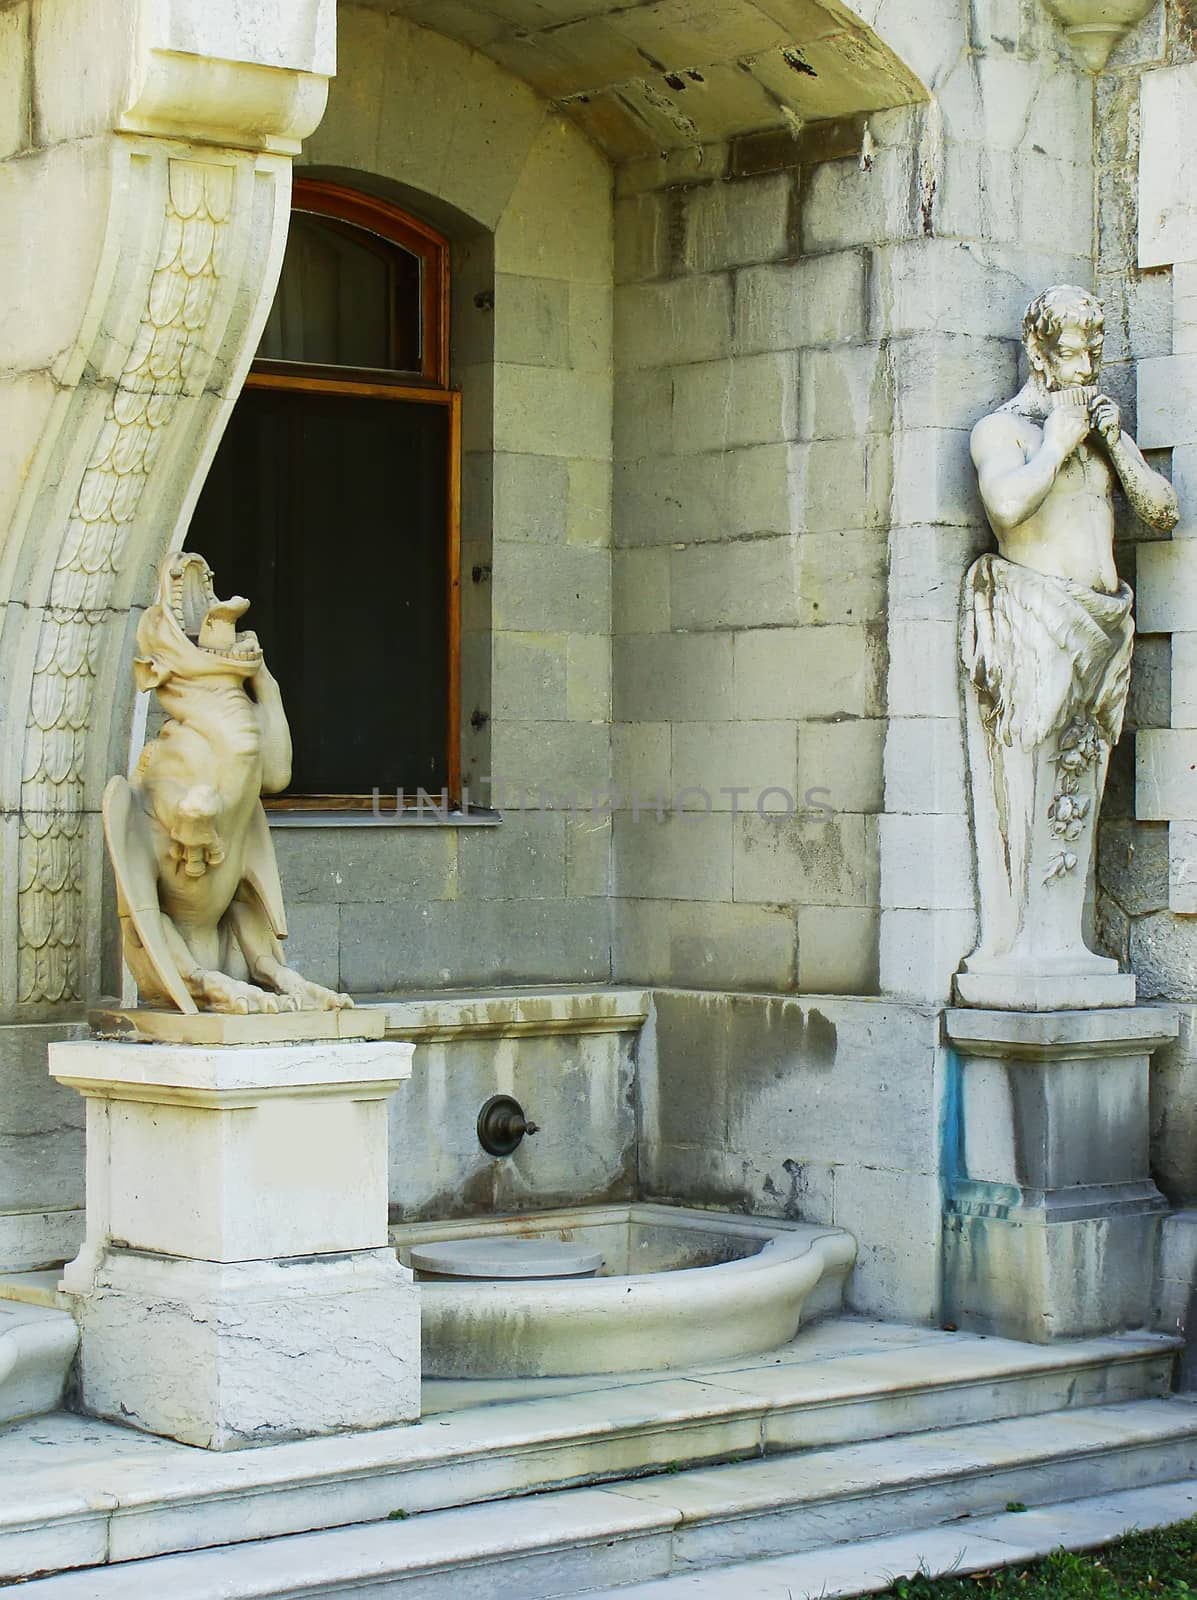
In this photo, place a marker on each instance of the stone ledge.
(475, 818)
(506, 1014)
(37, 1347)
(138, 1071)
(37, 1286)
(1046, 993)
(1042, 1208)
(30, 1240)
(141, 1024)
(1048, 1035)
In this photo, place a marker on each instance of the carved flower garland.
(1080, 748)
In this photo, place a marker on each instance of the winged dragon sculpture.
(198, 890)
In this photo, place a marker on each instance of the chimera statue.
(198, 890)
(1047, 642)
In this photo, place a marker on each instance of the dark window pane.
(346, 298)
(330, 514)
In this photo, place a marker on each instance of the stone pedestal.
(1052, 1215)
(236, 1285)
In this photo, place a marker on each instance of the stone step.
(37, 1346)
(974, 1544)
(772, 1508)
(572, 1541)
(38, 1287)
(92, 1492)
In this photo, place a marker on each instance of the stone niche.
(569, 1056)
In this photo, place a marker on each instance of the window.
(333, 502)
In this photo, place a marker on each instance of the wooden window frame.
(320, 198)
(428, 387)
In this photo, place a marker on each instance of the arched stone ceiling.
(642, 76)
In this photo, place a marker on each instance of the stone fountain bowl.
(677, 1288)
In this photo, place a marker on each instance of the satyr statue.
(1047, 642)
(198, 890)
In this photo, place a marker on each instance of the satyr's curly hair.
(1058, 308)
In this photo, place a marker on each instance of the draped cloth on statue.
(1043, 652)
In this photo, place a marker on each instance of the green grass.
(1162, 1564)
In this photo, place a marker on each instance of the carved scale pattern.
(144, 402)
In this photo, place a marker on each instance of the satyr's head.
(189, 633)
(1064, 331)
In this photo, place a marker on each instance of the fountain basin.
(677, 1288)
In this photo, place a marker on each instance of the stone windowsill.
(475, 818)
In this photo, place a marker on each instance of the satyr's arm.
(1013, 486)
(1151, 496)
(276, 733)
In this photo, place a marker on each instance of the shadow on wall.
(826, 1111)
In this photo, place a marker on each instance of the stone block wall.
(378, 909)
(746, 1102)
(579, 1089)
(806, 327)
(1145, 901)
(751, 499)
(1133, 909)
(788, 566)
(41, 1150)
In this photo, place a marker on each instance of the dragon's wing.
(259, 872)
(127, 831)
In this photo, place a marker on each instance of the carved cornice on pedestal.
(245, 74)
(1094, 27)
(236, 76)
(228, 89)
(233, 103)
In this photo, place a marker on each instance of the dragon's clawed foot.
(309, 996)
(222, 993)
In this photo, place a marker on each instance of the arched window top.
(363, 289)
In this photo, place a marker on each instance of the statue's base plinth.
(1046, 991)
(140, 1023)
(236, 1284)
(1052, 1217)
(226, 1355)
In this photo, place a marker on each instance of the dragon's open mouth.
(209, 623)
